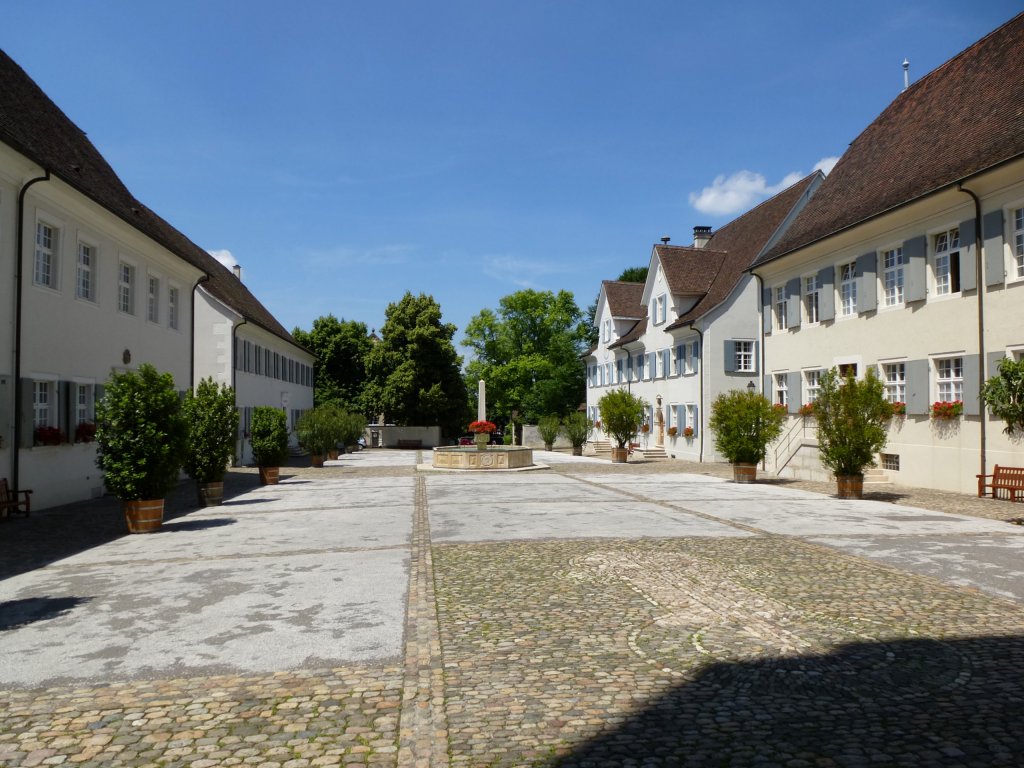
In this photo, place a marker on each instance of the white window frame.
(780, 305)
(811, 305)
(780, 390)
(85, 412)
(946, 246)
(847, 272)
(85, 270)
(606, 331)
(812, 384)
(949, 379)
(44, 403)
(893, 261)
(173, 307)
(745, 362)
(1016, 219)
(126, 287)
(153, 283)
(691, 418)
(46, 255)
(660, 311)
(608, 377)
(894, 379)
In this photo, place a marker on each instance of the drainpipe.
(19, 258)
(234, 374)
(979, 272)
(760, 323)
(192, 343)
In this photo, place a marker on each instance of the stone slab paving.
(591, 615)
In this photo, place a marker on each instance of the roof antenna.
(906, 74)
(665, 240)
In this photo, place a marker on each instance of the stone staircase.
(602, 448)
(653, 452)
(876, 476)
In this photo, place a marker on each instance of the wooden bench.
(1010, 479)
(10, 503)
(410, 443)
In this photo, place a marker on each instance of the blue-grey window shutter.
(695, 357)
(992, 231)
(795, 391)
(918, 388)
(766, 309)
(972, 384)
(992, 363)
(696, 420)
(25, 418)
(730, 356)
(768, 388)
(826, 294)
(914, 251)
(968, 254)
(757, 358)
(867, 282)
(793, 302)
(652, 365)
(66, 410)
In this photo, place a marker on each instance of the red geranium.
(482, 427)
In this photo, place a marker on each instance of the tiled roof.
(963, 117)
(624, 299)
(634, 333)
(689, 271)
(740, 241)
(34, 126)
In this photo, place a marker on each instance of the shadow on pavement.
(195, 525)
(27, 543)
(18, 613)
(902, 703)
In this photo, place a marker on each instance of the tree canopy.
(413, 375)
(529, 352)
(341, 347)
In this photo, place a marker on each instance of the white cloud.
(224, 257)
(521, 272)
(825, 165)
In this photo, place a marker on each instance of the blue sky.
(345, 152)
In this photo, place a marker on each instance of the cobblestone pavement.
(696, 650)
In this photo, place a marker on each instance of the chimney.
(701, 235)
(237, 269)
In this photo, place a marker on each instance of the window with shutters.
(84, 401)
(745, 357)
(812, 385)
(85, 281)
(848, 289)
(153, 300)
(949, 377)
(895, 377)
(45, 263)
(44, 404)
(892, 277)
(781, 307)
(1018, 241)
(126, 288)
(691, 417)
(947, 262)
(811, 288)
(781, 389)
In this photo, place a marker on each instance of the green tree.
(851, 418)
(528, 352)
(414, 373)
(341, 347)
(1004, 395)
(629, 275)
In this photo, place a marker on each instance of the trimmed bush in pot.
(351, 426)
(744, 423)
(548, 428)
(622, 413)
(851, 417)
(576, 427)
(212, 421)
(141, 436)
(268, 435)
(318, 431)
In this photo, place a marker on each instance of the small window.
(781, 306)
(153, 300)
(847, 369)
(45, 263)
(44, 404)
(1018, 241)
(781, 389)
(84, 281)
(126, 288)
(172, 308)
(848, 289)
(892, 276)
(812, 385)
(83, 403)
(811, 288)
(691, 418)
(659, 310)
(895, 382)
(947, 262)
(950, 379)
(745, 357)
(606, 331)
(891, 462)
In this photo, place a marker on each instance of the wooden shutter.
(766, 310)
(968, 256)
(916, 271)
(992, 230)
(730, 356)
(918, 387)
(826, 294)
(867, 282)
(793, 302)
(972, 384)
(793, 382)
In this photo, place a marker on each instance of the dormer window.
(658, 309)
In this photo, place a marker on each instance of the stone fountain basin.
(493, 457)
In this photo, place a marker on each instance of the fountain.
(482, 456)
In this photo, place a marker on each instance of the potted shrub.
(1004, 395)
(319, 431)
(548, 428)
(622, 413)
(576, 428)
(268, 436)
(212, 421)
(141, 435)
(851, 417)
(744, 423)
(351, 426)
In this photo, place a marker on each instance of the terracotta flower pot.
(269, 475)
(744, 473)
(850, 486)
(144, 515)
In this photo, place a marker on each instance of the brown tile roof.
(740, 241)
(689, 271)
(34, 126)
(624, 299)
(963, 117)
(634, 333)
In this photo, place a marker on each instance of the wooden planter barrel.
(620, 455)
(269, 475)
(850, 486)
(744, 473)
(577, 450)
(210, 494)
(144, 516)
(316, 459)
